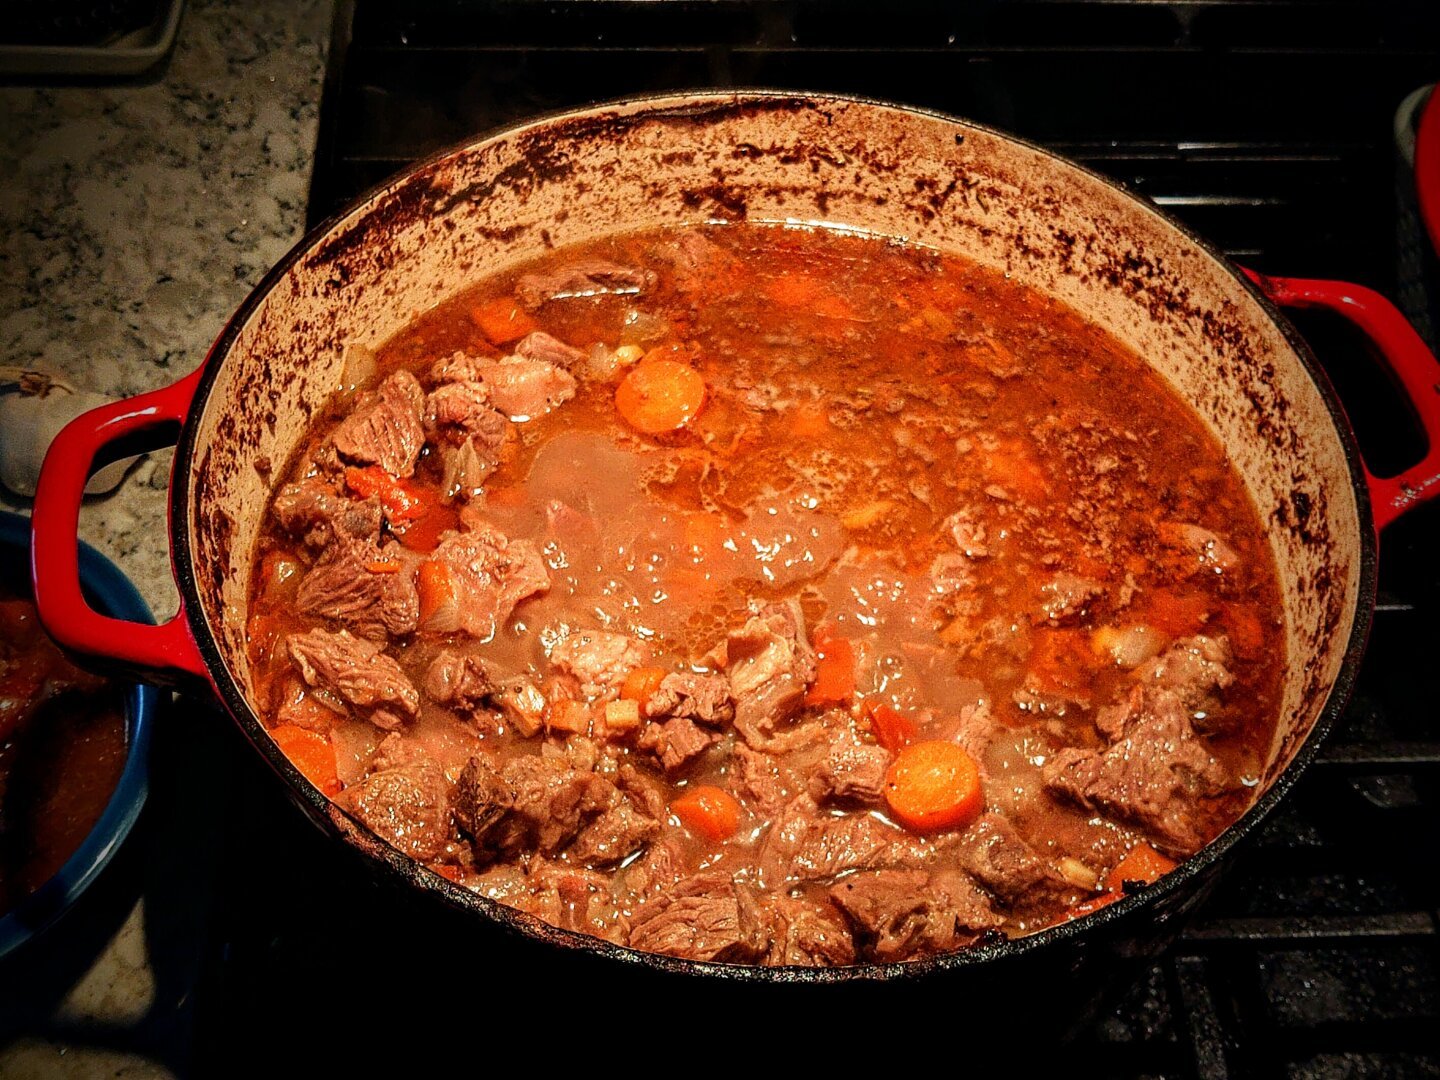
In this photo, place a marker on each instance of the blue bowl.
(111, 593)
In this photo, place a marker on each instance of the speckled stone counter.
(133, 219)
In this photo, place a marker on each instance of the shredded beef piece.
(459, 679)
(1192, 669)
(313, 512)
(539, 345)
(1065, 597)
(386, 429)
(769, 665)
(851, 770)
(757, 778)
(598, 660)
(405, 800)
(705, 699)
(1211, 553)
(804, 845)
(675, 743)
(900, 914)
(357, 672)
(803, 933)
(1153, 773)
(344, 586)
(491, 574)
(587, 277)
(702, 918)
(995, 855)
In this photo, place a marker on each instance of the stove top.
(1265, 126)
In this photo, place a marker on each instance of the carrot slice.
(1143, 864)
(834, 670)
(438, 607)
(933, 785)
(311, 753)
(709, 811)
(893, 729)
(641, 683)
(502, 320)
(660, 395)
(397, 499)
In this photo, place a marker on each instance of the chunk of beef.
(462, 680)
(524, 389)
(661, 866)
(405, 800)
(460, 413)
(461, 367)
(386, 430)
(553, 802)
(570, 897)
(585, 277)
(675, 743)
(900, 914)
(803, 933)
(356, 672)
(996, 856)
(705, 699)
(481, 800)
(1153, 773)
(491, 574)
(852, 769)
(701, 918)
(759, 779)
(598, 660)
(697, 264)
(623, 827)
(1209, 551)
(1065, 598)
(539, 345)
(1193, 669)
(312, 511)
(976, 730)
(803, 844)
(770, 666)
(344, 585)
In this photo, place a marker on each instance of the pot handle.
(159, 654)
(1408, 358)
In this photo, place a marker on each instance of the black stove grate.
(1264, 125)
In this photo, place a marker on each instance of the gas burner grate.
(1263, 125)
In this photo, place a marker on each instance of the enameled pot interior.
(813, 161)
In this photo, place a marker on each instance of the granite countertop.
(135, 218)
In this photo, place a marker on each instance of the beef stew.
(769, 595)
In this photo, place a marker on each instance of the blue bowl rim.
(114, 594)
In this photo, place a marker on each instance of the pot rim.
(1190, 871)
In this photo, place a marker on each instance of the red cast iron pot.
(1210, 328)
